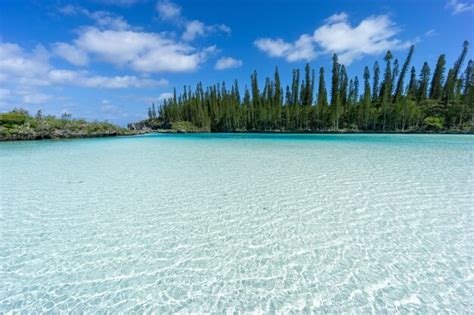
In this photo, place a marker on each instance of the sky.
(110, 59)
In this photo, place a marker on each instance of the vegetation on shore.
(431, 101)
(19, 125)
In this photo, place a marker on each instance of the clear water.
(238, 223)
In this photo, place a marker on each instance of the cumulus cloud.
(140, 51)
(338, 17)
(33, 69)
(273, 47)
(170, 11)
(227, 63)
(103, 19)
(194, 29)
(84, 79)
(14, 62)
(301, 49)
(71, 53)
(458, 6)
(373, 35)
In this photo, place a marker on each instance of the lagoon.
(238, 223)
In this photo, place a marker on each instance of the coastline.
(65, 136)
(68, 135)
(448, 132)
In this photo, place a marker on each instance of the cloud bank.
(374, 35)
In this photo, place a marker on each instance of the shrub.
(433, 123)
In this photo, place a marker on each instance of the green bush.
(13, 118)
(433, 123)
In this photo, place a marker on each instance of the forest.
(390, 97)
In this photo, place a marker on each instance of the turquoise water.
(238, 223)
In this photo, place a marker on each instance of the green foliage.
(19, 125)
(13, 118)
(389, 106)
(433, 123)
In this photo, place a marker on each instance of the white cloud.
(13, 61)
(273, 47)
(103, 19)
(84, 79)
(141, 51)
(71, 53)
(168, 10)
(339, 17)
(374, 35)
(165, 96)
(194, 29)
(114, 41)
(33, 69)
(227, 63)
(224, 28)
(301, 49)
(458, 6)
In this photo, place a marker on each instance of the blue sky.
(109, 59)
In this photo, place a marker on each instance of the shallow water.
(258, 223)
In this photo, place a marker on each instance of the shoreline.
(165, 131)
(70, 136)
(446, 132)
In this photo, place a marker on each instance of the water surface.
(246, 223)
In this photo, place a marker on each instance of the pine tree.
(153, 110)
(375, 87)
(366, 102)
(401, 78)
(255, 119)
(395, 73)
(468, 95)
(278, 98)
(436, 90)
(322, 105)
(413, 85)
(453, 75)
(306, 88)
(423, 82)
(335, 102)
(387, 89)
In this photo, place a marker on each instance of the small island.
(400, 99)
(18, 124)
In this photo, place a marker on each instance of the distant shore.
(61, 136)
(19, 125)
(453, 132)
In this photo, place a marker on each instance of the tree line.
(398, 99)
